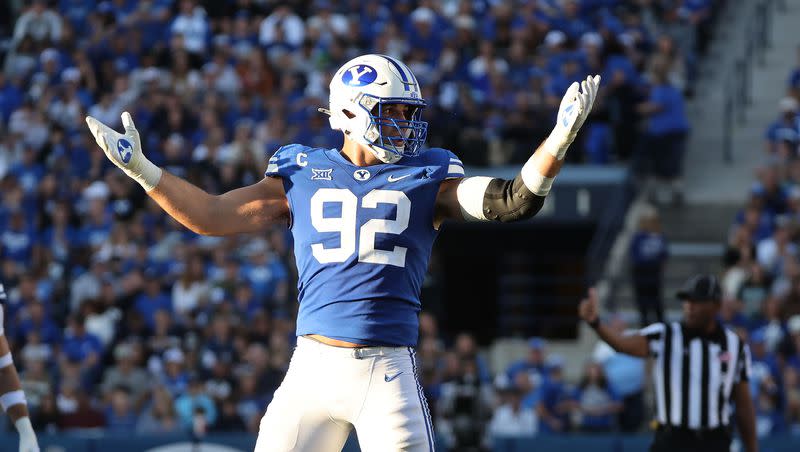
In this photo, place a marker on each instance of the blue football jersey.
(362, 239)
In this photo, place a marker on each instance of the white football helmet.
(358, 92)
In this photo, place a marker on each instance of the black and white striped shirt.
(694, 374)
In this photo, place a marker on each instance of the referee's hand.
(588, 309)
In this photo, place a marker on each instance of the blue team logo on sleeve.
(359, 75)
(125, 149)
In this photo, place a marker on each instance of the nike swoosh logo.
(387, 378)
(391, 178)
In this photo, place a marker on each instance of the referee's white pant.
(329, 390)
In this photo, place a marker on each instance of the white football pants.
(330, 390)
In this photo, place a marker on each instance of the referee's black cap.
(701, 288)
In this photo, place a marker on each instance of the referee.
(700, 368)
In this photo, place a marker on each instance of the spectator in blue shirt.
(570, 21)
(174, 377)
(785, 129)
(38, 321)
(533, 364)
(597, 402)
(266, 274)
(120, 413)
(766, 386)
(425, 32)
(753, 219)
(244, 303)
(81, 346)
(556, 402)
(794, 78)
(649, 253)
(770, 190)
(10, 97)
(373, 17)
(28, 171)
(17, 241)
(764, 363)
(664, 143)
(152, 299)
(250, 405)
(195, 403)
(317, 133)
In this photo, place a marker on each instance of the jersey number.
(345, 225)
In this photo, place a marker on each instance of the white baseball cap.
(423, 14)
(554, 38)
(793, 324)
(173, 355)
(788, 104)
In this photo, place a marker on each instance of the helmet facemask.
(403, 137)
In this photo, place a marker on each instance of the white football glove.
(573, 111)
(27, 437)
(125, 151)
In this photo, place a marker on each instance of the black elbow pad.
(507, 201)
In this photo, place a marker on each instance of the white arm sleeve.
(470, 194)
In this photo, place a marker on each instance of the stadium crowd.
(121, 319)
(761, 281)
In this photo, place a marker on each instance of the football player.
(363, 219)
(12, 398)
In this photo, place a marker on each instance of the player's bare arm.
(247, 209)
(482, 198)
(635, 344)
(12, 398)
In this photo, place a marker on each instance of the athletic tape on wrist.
(12, 398)
(149, 175)
(6, 360)
(556, 148)
(24, 427)
(539, 185)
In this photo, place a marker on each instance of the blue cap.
(757, 189)
(758, 336)
(536, 343)
(151, 273)
(105, 7)
(555, 362)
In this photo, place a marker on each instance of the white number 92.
(345, 225)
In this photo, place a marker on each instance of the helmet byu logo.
(359, 75)
(125, 149)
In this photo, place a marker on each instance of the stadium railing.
(738, 83)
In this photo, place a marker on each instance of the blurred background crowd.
(120, 319)
(761, 281)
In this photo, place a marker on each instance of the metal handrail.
(738, 84)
